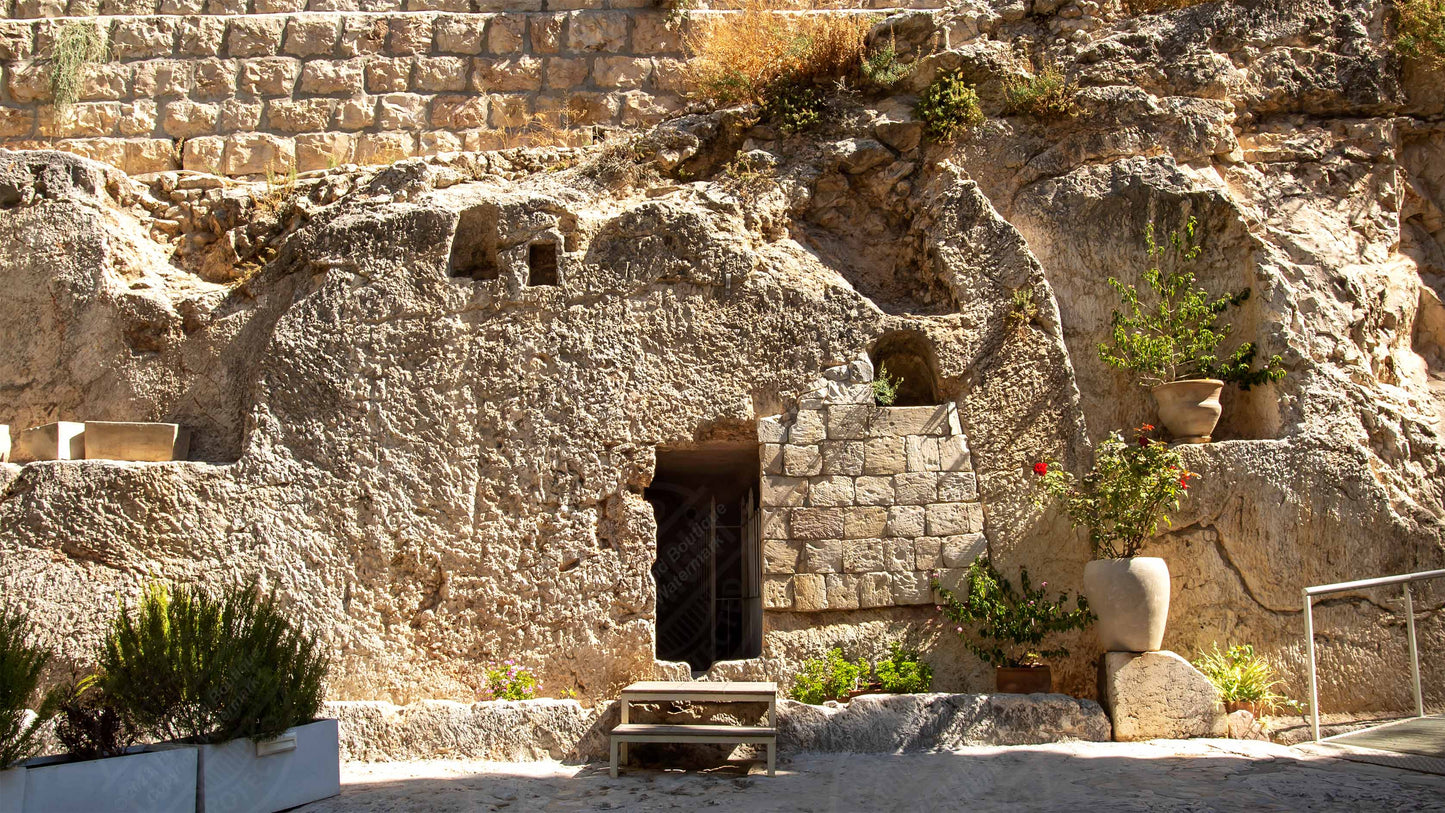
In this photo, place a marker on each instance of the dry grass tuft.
(1420, 31)
(1046, 94)
(741, 57)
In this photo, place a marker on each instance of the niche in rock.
(542, 264)
(909, 361)
(474, 245)
(709, 553)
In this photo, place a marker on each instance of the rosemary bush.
(194, 666)
(21, 664)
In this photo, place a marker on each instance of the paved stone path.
(1164, 775)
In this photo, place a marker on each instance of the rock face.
(1159, 695)
(427, 400)
(519, 731)
(919, 722)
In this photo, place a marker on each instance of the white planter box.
(146, 782)
(242, 776)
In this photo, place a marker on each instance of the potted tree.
(1170, 338)
(1122, 501)
(1006, 627)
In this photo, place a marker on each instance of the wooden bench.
(661, 691)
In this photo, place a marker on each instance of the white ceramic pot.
(142, 782)
(1190, 409)
(242, 776)
(1131, 598)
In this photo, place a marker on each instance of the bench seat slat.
(687, 732)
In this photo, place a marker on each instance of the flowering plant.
(509, 681)
(1011, 625)
(1123, 499)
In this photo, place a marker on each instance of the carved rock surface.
(1159, 695)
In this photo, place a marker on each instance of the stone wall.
(863, 503)
(211, 88)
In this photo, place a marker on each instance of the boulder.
(1159, 695)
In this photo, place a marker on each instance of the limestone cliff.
(440, 464)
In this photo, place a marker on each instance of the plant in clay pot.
(1244, 680)
(1170, 338)
(1006, 627)
(1122, 501)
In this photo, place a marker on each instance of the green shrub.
(881, 68)
(76, 45)
(193, 666)
(21, 664)
(1023, 310)
(794, 106)
(904, 672)
(509, 681)
(1420, 31)
(1007, 627)
(1121, 500)
(1177, 336)
(885, 387)
(1046, 94)
(949, 107)
(832, 677)
(89, 724)
(1242, 676)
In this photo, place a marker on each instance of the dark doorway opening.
(542, 264)
(908, 359)
(709, 554)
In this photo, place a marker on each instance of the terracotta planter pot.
(1244, 705)
(1189, 409)
(1023, 679)
(1131, 598)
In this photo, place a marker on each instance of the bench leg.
(624, 753)
(772, 756)
(613, 765)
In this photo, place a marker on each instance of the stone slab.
(1154, 695)
(141, 442)
(62, 440)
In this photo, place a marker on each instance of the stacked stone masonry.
(237, 88)
(863, 505)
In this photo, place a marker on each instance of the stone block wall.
(244, 87)
(862, 503)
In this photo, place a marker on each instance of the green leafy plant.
(904, 672)
(1123, 499)
(885, 387)
(510, 681)
(1420, 31)
(1173, 333)
(1241, 676)
(76, 45)
(881, 68)
(949, 107)
(21, 664)
(189, 665)
(89, 724)
(832, 677)
(1023, 310)
(794, 106)
(1046, 94)
(1005, 626)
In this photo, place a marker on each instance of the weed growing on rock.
(1023, 310)
(620, 164)
(1420, 31)
(881, 68)
(885, 387)
(794, 106)
(1046, 94)
(949, 107)
(747, 177)
(509, 681)
(77, 45)
(831, 677)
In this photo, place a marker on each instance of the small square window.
(542, 264)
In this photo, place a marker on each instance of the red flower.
(1143, 441)
(1184, 481)
(1148, 427)
(1041, 468)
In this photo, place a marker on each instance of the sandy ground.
(1170, 775)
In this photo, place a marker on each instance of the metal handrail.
(1342, 587)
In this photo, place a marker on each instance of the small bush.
(794, 106)
(1004, 626)
(740, 58)
(89, 725)
(77, 45)
(192, 666)
(885, 387)
(1046, 94)
(882, 69)
(832, 677)
(21, 663)
(904, 672)
(949, 107)
(1242, 676)
(1420, 31)
(1023, 310)
(509, 681)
